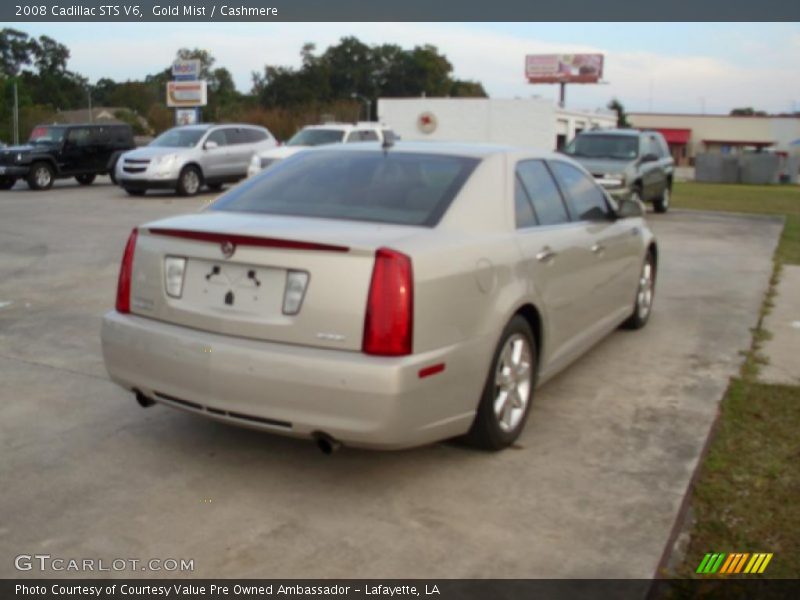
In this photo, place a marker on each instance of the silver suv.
(186, 158)
(628, 163)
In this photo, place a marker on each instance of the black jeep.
(58, 151)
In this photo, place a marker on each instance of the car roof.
(83, 125)
(348, 126)
(199, 126)
(628, 132)
(474, 150)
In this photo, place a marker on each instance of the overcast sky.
(666, 67)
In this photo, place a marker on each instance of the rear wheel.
(85, 179)
(40, 176)
(132, 192)
(645, 293)
(661, 204)
(6, 183)
(189, 181)
(508, 391)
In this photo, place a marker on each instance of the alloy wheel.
(513, 382)
(644, 299)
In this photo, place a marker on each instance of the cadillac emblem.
(228, 248)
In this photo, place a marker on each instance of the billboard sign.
(564, 68)
(186, 94)
(186, 69)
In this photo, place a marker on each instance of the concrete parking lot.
(592, 489)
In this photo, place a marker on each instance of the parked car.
(186, 158)
(381, 297)
(628, 163)
(317, 135)
(59, 151)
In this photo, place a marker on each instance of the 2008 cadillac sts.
(380, 296)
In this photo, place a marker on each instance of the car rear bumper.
(360, 400)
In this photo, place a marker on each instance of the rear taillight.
(125, 271)
(389, 321)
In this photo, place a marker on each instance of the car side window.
(254, 136)
(523, 209)
(661, 148)
(586, 200)
(543, 193)
(363, 135)
(237, 135)
(219, 137)
(369, 135)
(79, 136)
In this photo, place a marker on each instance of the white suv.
(317, 135)
(186, 158)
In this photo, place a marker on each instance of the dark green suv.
(628, 163)
(59, 151)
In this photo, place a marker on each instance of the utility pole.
(89, 93)
(16, 115)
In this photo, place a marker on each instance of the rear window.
(383, 187)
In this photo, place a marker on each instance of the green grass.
(745, 497)
(783, 200)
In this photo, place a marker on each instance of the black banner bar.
(367, 589)
(405, 10)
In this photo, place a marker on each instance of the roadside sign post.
(187, 92)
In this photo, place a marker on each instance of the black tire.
(189, 181)
(487, 431)
(41, 176)
(661, 204)
(112, 171)
(132, 192)
(6, 183)
(215, 187)
(636, 193)
(85, 179)
(641, 314)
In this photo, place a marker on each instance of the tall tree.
(622, 117)
(16, 51)
(352, 68)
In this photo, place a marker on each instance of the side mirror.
(649, 158)
(629, 207)
(210, 145)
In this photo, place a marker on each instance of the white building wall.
(780, 130)
(519, 122)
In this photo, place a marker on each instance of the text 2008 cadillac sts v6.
(380, 296)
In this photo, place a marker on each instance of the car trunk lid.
(238, 266)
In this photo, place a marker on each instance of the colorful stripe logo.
(734, 563)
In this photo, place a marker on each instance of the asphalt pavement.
(591, 490)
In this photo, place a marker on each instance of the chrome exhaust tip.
(327, 444)
(143, 400)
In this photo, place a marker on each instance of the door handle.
(598, 248)
(546, 254)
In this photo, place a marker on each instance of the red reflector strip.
(432, 370)
(247, 240)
